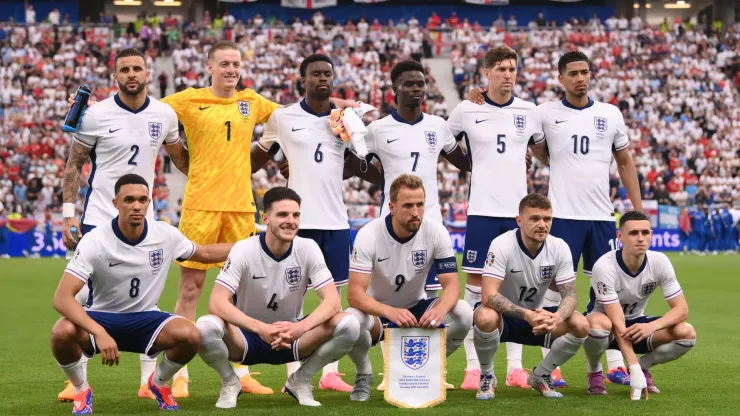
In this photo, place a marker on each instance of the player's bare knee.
(486, 319)
(597, 320)
(63, 332)
(578, 325)
(683, 330)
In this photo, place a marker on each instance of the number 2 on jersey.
(272, 304)
(135, 150)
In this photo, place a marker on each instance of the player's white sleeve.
(538, 133)
(444, 254)
(183, 248)
(81, 265)
(603, 277)
(621, 139)
(564, 273)
(363, 251)
(455, 121)
(496, 260)
(450, 144)
(173, 131)
(231, 274)
(370, 139)
(668, 280)
(271, 133)
(87, 135)
(318, 274)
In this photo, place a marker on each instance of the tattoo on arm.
(504, 306)
(78, 155)
(570, 299)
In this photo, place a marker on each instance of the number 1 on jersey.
(228, 131)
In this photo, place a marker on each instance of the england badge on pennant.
(415, 351)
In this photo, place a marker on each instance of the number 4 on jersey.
(272, 304)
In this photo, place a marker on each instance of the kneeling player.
(388, 270)
(623, 281)
(267, 276)
(125, 264)
(518, 270)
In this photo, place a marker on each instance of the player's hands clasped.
(544, 322)
(402, 317)
(108, 348)
(638, 332)
(288, 332)
(432, 318)
(70, 240)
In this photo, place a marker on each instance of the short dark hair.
(499, 54)
(127, 53)
(222, 45)
(406, 66)
(534, 200)
(129, 179)
(572, 56)
(277, 194)
(632, 216)
(317, 57)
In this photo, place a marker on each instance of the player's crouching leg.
(215, 354)
(664, 346)
(458, 322)
(68, 344)
(487, 338)
(180, 340)
(359, 354)
(596, 343)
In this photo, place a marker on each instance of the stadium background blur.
(674, 73)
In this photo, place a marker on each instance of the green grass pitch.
(706, 381)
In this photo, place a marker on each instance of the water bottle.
(71, 253)
(74, 115)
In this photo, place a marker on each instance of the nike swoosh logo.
(480, 121)
(560, 121)
(258, 277)
(114, 264)
(201, 108)
(379, 259)
(514, 271)
(113, 131)
(302, 128)
(392, 140)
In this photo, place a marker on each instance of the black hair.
(129, 179)
(277, 194)
(572, 56)
(632, 216)
(129, 52)
(317, 57)
(406, 66)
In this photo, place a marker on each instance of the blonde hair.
(405, 181)
(222, 45)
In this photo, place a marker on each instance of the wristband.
(68, 210)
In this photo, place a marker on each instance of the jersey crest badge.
(156, 257)
(155, 130)
(648, 288)
(520, 122)
(600, 124)
(419, 258)
(547, 273)
(431, 137)
(415, 351)
(293, 276)
(471, 255)
(243, 108)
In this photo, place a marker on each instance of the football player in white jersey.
(497, 135)
(121, 134)
(391, 258)
(582, 136)
(318, 159)
(257, 301)
(521, 264)
(125, 263)
(623, 281)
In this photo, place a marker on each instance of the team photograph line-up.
(271, 291)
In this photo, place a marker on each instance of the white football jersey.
(612, 282)
(272, 289)
(316, 158)
(527, 277)
(123, 275)
(581, 142)
(399, 267)
(404, 147)
(497, 137)
(122, 141)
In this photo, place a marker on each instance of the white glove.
(638, 382)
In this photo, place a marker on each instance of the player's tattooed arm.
(504, 306)
(78, 155)
(179, 155)
(570, 300)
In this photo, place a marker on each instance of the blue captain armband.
(446, 265)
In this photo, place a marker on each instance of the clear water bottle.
(71, 253)
(74, 115)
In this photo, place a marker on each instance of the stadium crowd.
(677, 88)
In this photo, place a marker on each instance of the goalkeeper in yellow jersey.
(218, 204)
